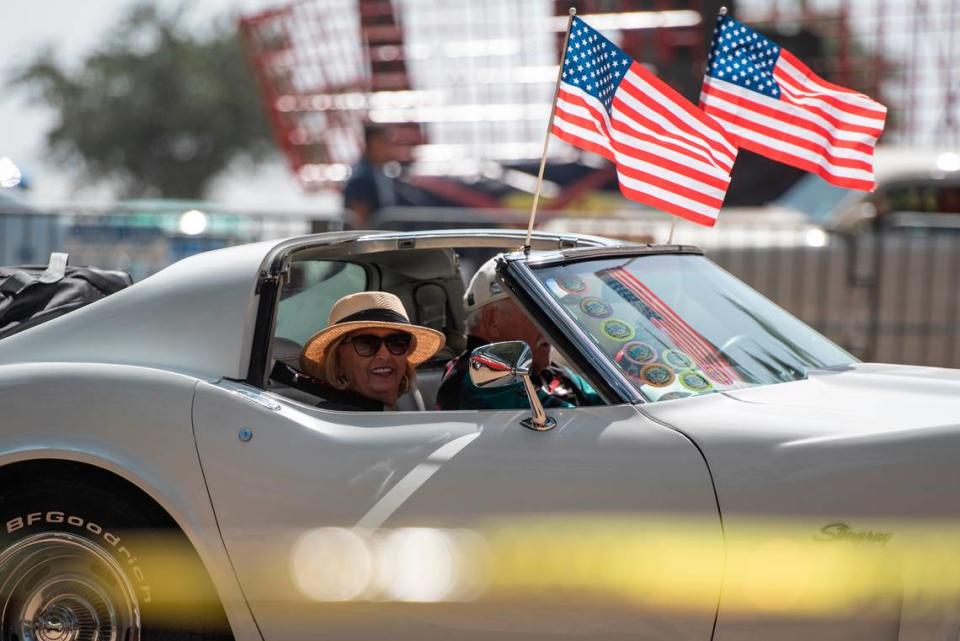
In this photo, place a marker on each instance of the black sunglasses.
(367, 345)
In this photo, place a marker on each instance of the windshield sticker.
(694, 381)
(665, 319)
(596, 308)
(633, 356)
(572, 284)
(616, 329)
(677, 359)
(657, 375)
(639, 352)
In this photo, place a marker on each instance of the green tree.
(157, 109)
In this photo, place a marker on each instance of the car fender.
(134, 422)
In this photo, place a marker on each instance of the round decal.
(677, 359)
(572, 284)
(617, 330)
(633, 356)
(669, 396)
(657, 375)
(596, 308)
(694, 381)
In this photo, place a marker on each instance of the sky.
(74, 28)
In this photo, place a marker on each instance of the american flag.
(668, 154)
(664, 318)
(776, 106)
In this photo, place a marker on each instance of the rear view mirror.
(500, 364)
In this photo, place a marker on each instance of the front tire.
(78, 563)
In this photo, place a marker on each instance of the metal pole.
(546, 141)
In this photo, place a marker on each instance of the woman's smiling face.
(377, 376)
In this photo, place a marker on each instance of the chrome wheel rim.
(60, 587)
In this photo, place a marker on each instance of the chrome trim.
(502, 239)
(548, 424)
(62, 587)
(441, 238)
(516, 267)
(539, 422)
(588, 253)
(257, 397)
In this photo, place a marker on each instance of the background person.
(368, 353)
(369, 187)
(492, 317)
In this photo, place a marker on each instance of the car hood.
(863, 400)
(866, 397)
(863, 439)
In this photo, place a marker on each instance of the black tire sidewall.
(116, 524)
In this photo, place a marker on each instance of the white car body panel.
(140, 428)
(824, 451)
(194, 317)
(306, 468)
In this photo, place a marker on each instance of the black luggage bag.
(30, 295)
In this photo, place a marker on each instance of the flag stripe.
(639, 84)
(635, 160)
(802, 159)
(684, 336)
(806, 150)
(733, 99)
(578, 136)
(799, 149)
(828, 112)
(642, 109)
(851, 100)
(776, 106)
(829, 109)
(840, 157)
(625, 132)
(642, 186)
(668, 154)
(628, 130)
(708, 219)
(679, 331)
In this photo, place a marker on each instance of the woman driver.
(368, 353)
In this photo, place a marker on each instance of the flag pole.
(673, 226)
(546, 141)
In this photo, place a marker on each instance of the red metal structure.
(466, 86)
(463, 84)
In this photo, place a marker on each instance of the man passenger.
(492, 317)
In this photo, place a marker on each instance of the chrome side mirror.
(500, 364)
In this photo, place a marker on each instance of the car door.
(348, 525)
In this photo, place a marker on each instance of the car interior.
(430, 282)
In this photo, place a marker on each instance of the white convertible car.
(163, 474)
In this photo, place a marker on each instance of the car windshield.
(814, 197)
(680, 326)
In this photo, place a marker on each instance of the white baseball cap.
(484, 288)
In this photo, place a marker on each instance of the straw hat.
(370, 310)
